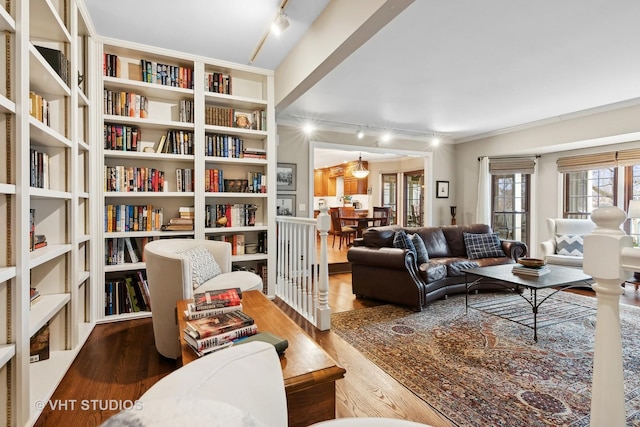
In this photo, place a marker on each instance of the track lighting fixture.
(360, 134)
(280, 23)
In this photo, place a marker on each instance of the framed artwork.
(442, 189)
(286, 176)
(286, 205)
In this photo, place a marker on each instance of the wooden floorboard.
(119, 363)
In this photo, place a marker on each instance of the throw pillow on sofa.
(486, 245)
(403, 241)
(203, 265)
(422, 255)
(570, 244)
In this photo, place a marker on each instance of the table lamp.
(633, 213)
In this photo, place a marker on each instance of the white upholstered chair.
(169, 275)
(559, 228)
(238, 386)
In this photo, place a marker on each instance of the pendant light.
(360, 171)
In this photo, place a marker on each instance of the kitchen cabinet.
(320, 182)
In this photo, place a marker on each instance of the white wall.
(604, 131)
(294, 146)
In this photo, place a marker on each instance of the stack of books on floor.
(530, 271)
(215, 320)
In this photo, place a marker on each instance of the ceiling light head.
(308, 128)
(360, 134)
(280, 23)
(360, 171)
(386, 137)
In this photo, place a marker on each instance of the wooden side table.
(309, 372)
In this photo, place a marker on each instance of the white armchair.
(169, 275)
(237, 386)
(559, 228)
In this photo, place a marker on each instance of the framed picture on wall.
(286, 176)
(442, 189)
(286, 205)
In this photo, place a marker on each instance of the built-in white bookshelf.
(159, 108)
(46, 189)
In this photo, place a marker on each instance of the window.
(510, 206)
(390, 194)
(586, 190)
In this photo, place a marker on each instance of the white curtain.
(483, 208)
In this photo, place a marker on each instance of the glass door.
(414, 198)
(390, 194)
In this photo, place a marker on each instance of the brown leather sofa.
(382, 272)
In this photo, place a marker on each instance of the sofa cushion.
(486, 245)
(203, 266)
(380, 237)
(455, 236)
(570, 244)
(433, 271)
(422, 255)
(403, 241)
(435, 241)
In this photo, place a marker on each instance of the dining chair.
(340, 229)
(382, 212)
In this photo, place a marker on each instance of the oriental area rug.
(478, 369)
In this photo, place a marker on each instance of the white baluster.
(602, 261)
(323, 312)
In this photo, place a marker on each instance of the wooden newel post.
(323, 312)
(603, 262)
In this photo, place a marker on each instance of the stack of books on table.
(215, 320)
(530, 271)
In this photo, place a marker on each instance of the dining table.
(362, 222)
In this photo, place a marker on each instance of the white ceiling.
(460, 68)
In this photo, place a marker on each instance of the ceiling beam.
(340, 30)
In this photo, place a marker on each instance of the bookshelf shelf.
(43, 135)
(150, 194)
(248, 257)
(42, 193)
(158, 233)
(235, 131)
(240, 102)
(150, 123)
(128, 266)
(7, 189)
(44, 377)
(222, 230)
(229, 195)
(7, 105)
(46, 23)
(83, 276)
(7, 351)
(148, 89)
(7, 23)
(187, 158)
(45, 309)
(209, 160)
(48, 253)
(7, 273)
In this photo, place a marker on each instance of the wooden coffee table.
(309, 372)
(558, 279)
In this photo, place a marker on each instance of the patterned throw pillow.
(570, 244)
(486, 245)
(203, 265)
(403, 241)
(421, 250)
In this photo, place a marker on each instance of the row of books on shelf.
(220, 145)
(128, 104)
(230, 215)
(129, 294)
(39, 108)
(218, 83)
(39, 169)
(215, 182)
(176, 142)
(179, 224)
(167, 75)
(186, 111)
(230, 117)
(121, 250)
(58, 61)
(121, 137)
(130, 178)
(215, 320)
(122, 218)
(184, 180)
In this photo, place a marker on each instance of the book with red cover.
(217, 298)
(218, 324)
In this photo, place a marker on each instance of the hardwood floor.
(119, 363)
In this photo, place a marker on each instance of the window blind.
(629, 157)
(585, 162)
(511, 165)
